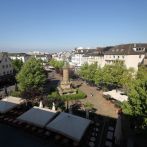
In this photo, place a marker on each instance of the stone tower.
(65, 85)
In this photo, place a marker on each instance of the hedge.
(77, 96)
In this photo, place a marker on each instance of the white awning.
(37, 116)
(9, 103)
(12, 99)
(69, 125)
(117, 95)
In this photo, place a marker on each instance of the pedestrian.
(91, 94)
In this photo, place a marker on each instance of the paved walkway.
(102, 106)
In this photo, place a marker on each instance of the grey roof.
(99, 51)
(81, 51)
(127, 49)
(18, 54)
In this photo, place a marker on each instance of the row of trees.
(134, 83)
(136, 105)
(115, 73)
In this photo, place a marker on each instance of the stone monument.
(65, 86)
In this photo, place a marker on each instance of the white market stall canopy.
(69, 125)
(9, 103)
(38, 116)
(117, 95)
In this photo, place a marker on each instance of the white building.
(95, 56)
(61, 56)
(77, 58)
(132, 55)
(5, 65)
(37, 53)
(20, 56)
(44, 58)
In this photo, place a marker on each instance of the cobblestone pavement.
(102, 106)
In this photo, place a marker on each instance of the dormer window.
(140, 49)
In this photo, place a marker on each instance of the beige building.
(132, 55)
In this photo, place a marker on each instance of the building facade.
(20, 56)
(77, 58)
(132, 55)
(6, 69)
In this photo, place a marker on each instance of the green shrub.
(53, 95)
(16, 93)
(77, 96)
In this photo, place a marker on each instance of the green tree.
(56, 64)
(127, 78)
(17, 65)
(112, 74)
(88, 106)
(92, 68)
(137, 102)
(98, 77)
(31, 77)
(107, 76)
(87, 72)
(83, 71)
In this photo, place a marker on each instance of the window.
(7, 72)
(9, 65)
(113, 56)
(4, 73)
(6, 66)
(139, 56)
(3, 66)
(123, 57)
(6, 59)
(118, 56)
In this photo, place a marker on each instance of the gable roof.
(127, 49)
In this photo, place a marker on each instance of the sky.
(54, 25)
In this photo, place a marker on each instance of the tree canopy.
(32, 76)
(87, 72)
(56, 64)
(137, 103)
(17, 65)
(115, 73)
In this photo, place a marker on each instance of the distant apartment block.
(20, 56)
(61, 56)
(44, 58)
(132, 55)
(77, 58)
